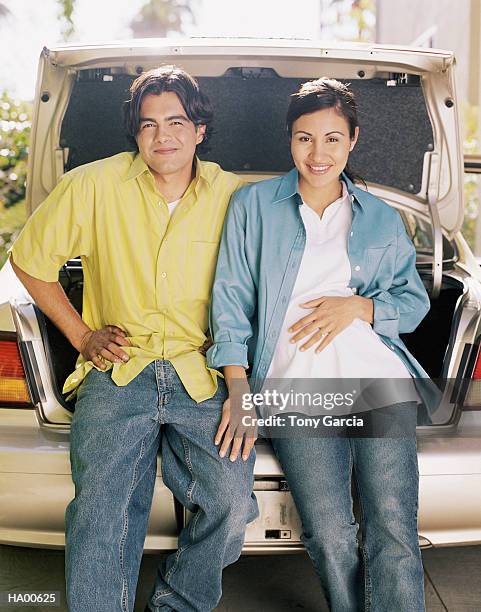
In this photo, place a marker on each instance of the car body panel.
(449, 467)
(58, 67)
(35, 478)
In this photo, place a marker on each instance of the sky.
(33, 24)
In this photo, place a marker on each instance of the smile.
(320, 169)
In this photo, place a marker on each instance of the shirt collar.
(138, 167)
(289, 188)
(201, 171)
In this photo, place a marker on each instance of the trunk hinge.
(433, 198)
(60, 159)
(49, 56)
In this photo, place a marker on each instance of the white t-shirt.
(172, 206)
(325, 270)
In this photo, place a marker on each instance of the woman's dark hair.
(168, 79)
(321, 94)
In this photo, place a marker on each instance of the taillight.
(477, 366)
(472, 399)
(13, 384)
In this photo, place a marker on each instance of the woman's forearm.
(365, 308)
(234, 373)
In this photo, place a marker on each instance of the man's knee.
(239, 507)
(232, 499)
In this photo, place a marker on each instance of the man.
(141, 377)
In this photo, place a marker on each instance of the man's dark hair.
(168, 79)
(321, 94)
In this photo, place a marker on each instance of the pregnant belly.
(356, 352)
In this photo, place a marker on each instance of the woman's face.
(320, 146)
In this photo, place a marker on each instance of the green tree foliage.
(159, 18)
(471, 125)
(359, 12)
(15, 122)
(472, 182)
(66, 9)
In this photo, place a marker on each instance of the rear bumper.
(33, 510)
(36, 487)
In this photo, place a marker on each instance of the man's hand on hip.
(206, 346)
(104, 343)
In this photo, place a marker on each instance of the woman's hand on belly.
(329, 317)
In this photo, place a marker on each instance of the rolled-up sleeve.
(400, 309)
(234, 293)
(59, 229)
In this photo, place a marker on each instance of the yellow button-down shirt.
(144, 271)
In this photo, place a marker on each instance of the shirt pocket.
(380, 263)
(202, 263)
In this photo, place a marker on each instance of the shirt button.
(352, 233)
(357, 268)
(164, 275)
(353, 289)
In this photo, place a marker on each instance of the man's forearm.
(51, 299)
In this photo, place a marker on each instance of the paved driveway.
(260, 584)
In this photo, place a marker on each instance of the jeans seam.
(188, 463)
(160, 394)
(364, 548)
(192, 526)
(125, 590)
(163, 593)
(195, 518)
(174, 564)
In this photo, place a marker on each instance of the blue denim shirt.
(260, 253)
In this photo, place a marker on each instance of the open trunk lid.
(409, 146)
(409, 150)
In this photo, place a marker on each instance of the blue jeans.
(115, 437)
(318, 471)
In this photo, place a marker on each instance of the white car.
(410, 155)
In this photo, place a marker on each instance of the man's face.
(166, 137)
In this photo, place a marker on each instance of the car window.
(472, 191)
(420, 232)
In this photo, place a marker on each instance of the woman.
(316, 278)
